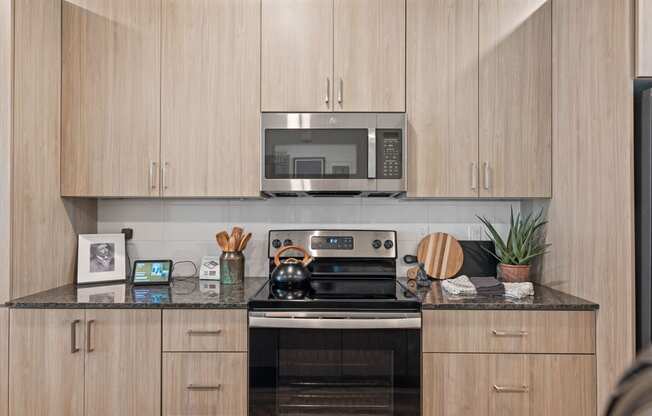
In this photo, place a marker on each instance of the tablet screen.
(152, 271)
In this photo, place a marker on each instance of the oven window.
(334, 372)
(316, 153)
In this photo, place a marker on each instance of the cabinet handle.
(474, 176)
(510, 389)
(152, 169)
(200, 387)
(73, 336)
(339, 91)
(201, 332)
(487, 178)
(509, 333)
(328, 90)
(89, 336)
(164, 174)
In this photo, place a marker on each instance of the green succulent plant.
(524, 241)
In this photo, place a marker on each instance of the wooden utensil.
(244, 241)
(222, 240)
(232, 243)
(441, 255)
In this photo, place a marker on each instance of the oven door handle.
(334, 321)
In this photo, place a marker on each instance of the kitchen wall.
(185, 229)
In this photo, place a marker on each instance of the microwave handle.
(371, 160)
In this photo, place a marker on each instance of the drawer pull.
(510, 389)
(509, 333)
(199, 332)
(200, 387)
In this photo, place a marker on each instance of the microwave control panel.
(389, 154)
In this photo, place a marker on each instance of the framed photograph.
(101, 258)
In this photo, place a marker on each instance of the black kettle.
(291, 272)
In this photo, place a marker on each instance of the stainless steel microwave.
(338, 154)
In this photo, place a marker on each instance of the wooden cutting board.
(441, 255)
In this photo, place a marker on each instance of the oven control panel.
(335, 243)
(331, 242)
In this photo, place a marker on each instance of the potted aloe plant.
(524, 243)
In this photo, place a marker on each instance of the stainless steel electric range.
(348, 343)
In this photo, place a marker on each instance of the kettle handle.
(306, 257)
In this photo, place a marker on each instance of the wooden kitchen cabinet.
(508, 384)
(205, 330)
(369, 55)
(123, 362)
(515, 98)
(46, 369)
(111, 89)
(210, 138)
(76, 362)
(442, 98)
(4, 360)
(643, 67)
(297, 55)
(205, 384)
(333, 55)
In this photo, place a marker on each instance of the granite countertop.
(544, 298)
(182, 293)
(190, 293)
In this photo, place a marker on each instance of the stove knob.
(276, 243)
(287, 242)
(376, 244)
(389, 244)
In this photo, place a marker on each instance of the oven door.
(334, 364)
(304, 152)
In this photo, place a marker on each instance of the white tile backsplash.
(185, 229)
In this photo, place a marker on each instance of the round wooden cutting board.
(441, 255)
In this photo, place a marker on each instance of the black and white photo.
(101, 258)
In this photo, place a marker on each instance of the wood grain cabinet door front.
(46, 365)
(123, 362)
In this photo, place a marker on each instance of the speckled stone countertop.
(545, 298)
(188, 293)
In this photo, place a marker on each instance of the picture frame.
(101, 258)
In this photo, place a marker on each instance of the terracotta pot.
(512, 273)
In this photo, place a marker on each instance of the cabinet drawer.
(205, 384)
(205, 330)
(553, 332)
(508, 384)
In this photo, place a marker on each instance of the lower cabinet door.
(205, 384)
(508, 384)
(123, 362)
(46, 365)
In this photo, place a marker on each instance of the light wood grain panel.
(515, 98)
(442, 98)
(6, 115)
(462, 384)
(47, 378)
(4, 361)
(369, 55)
(227, 330)
(544, 331)
(226, 373)
(111, 97)
(592, 210)
(123, 363)
(211, 98)
(643, 34)
(297, 55)
(41, 221)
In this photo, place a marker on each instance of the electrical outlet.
(476, 232)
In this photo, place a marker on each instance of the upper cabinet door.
(442, 91)
(515, 98)
(211, 98)
(643, 38)
(297, 55)
(369, 55)
(110, 97)
(123, 362)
